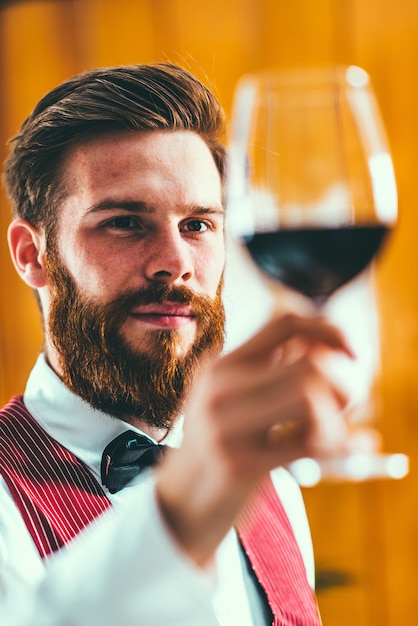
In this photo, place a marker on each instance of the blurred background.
(365, 535)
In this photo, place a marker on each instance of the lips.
(167, 315)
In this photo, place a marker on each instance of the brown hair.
(138, 97)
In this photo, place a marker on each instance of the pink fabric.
(268, 539)
(56, 494)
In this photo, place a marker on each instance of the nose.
(169, 258)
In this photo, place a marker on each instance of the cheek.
(98, 272)
(209, 271)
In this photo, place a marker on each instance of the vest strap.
(269, 541)
(54, 491)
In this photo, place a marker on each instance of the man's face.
(135, 268)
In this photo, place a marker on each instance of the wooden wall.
(365, 535)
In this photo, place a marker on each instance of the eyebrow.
(128, 205)
(137, 206)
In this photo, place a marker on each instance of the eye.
(195, 226)
(123, 222)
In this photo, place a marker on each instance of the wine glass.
(311, 195)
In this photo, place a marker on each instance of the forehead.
(130, 160)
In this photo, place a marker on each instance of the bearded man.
(116, 182)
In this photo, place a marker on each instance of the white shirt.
(125, 567)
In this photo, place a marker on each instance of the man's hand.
(276, 398)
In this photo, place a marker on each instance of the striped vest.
(58, 496)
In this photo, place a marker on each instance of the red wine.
(316, 261)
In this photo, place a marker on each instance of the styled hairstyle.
(136, 97)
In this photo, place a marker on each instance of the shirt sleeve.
(123, 569)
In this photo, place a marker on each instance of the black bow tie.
(125, 457)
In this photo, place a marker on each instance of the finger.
(283, 328)
(260, 398)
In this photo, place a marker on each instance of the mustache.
(120, 308)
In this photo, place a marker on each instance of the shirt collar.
(71, 421)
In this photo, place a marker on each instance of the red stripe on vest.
(55, 492)
(270, 543)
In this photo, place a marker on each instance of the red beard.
(98, 364)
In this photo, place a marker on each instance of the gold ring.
(283, 431)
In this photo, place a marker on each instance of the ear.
(27, 244)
